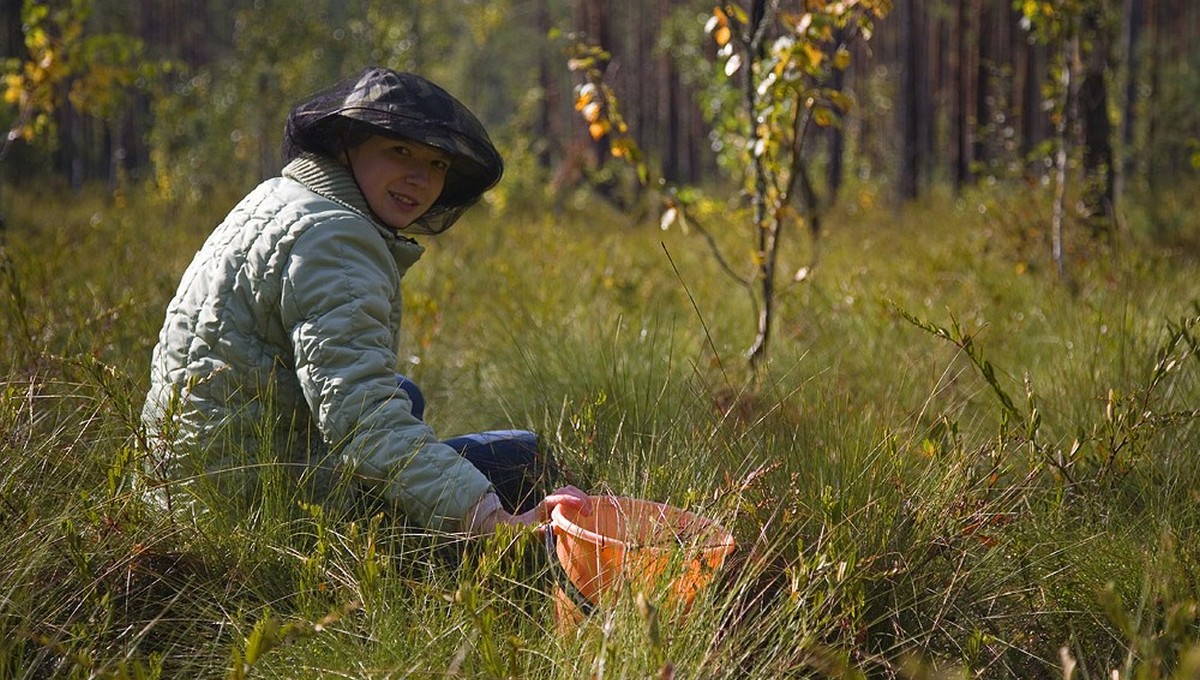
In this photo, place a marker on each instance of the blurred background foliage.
(190, 97)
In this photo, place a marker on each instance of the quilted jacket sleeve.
(336, 303)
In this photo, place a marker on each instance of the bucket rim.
(560, 522)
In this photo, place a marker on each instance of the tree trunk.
(910, 53)
(926, 112)
(1132, 32)
(1154, 39)
(983, 85)
(766, 273)
(646, 121)
(669, 106)
(546, 112)
(1097, 129)
(1034, 129)
(836, 144)
(963, 127)
(12, 37)
(916, 110)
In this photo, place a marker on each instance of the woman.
(279, 348)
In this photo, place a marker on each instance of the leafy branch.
(784, 88)
(66, 65)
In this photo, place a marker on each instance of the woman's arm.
(337, 302)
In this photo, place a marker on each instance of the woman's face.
(400, 179)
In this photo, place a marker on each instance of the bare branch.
(714, 247)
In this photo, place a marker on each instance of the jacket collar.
(332, 180)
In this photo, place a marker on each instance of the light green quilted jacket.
(280, 348)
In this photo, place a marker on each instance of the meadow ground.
(957, 464)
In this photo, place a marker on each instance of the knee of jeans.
(507, 439)
(414, 396)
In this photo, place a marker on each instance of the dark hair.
(334, 138)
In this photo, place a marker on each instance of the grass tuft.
(953, 467)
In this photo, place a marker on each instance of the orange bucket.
(625, 541)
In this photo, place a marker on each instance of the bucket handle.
(560, 575)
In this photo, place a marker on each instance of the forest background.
(939, 205)
(947, 92)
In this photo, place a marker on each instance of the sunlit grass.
(893, 516)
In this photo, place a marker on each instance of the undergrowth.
(954, 467)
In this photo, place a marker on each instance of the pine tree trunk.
(1034, 128)
(1134, 13)
(1097, 129)
(546, 113)
(983, 84)
(836, 141)
(963, 127)
(910, 106)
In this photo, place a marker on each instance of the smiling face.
(400, 179)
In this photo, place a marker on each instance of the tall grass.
(955, 466)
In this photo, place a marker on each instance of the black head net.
(406, 106)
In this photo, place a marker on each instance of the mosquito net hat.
(405, 106)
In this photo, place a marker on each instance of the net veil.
(404, 106)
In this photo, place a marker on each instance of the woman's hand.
(568, 495)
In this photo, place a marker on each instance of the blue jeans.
(512, 460)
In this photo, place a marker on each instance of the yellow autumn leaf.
(841, 60)
(14, 90)
(718, 20)
(623, 147)
(722, 35)
(598, 129)
(814, 54)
